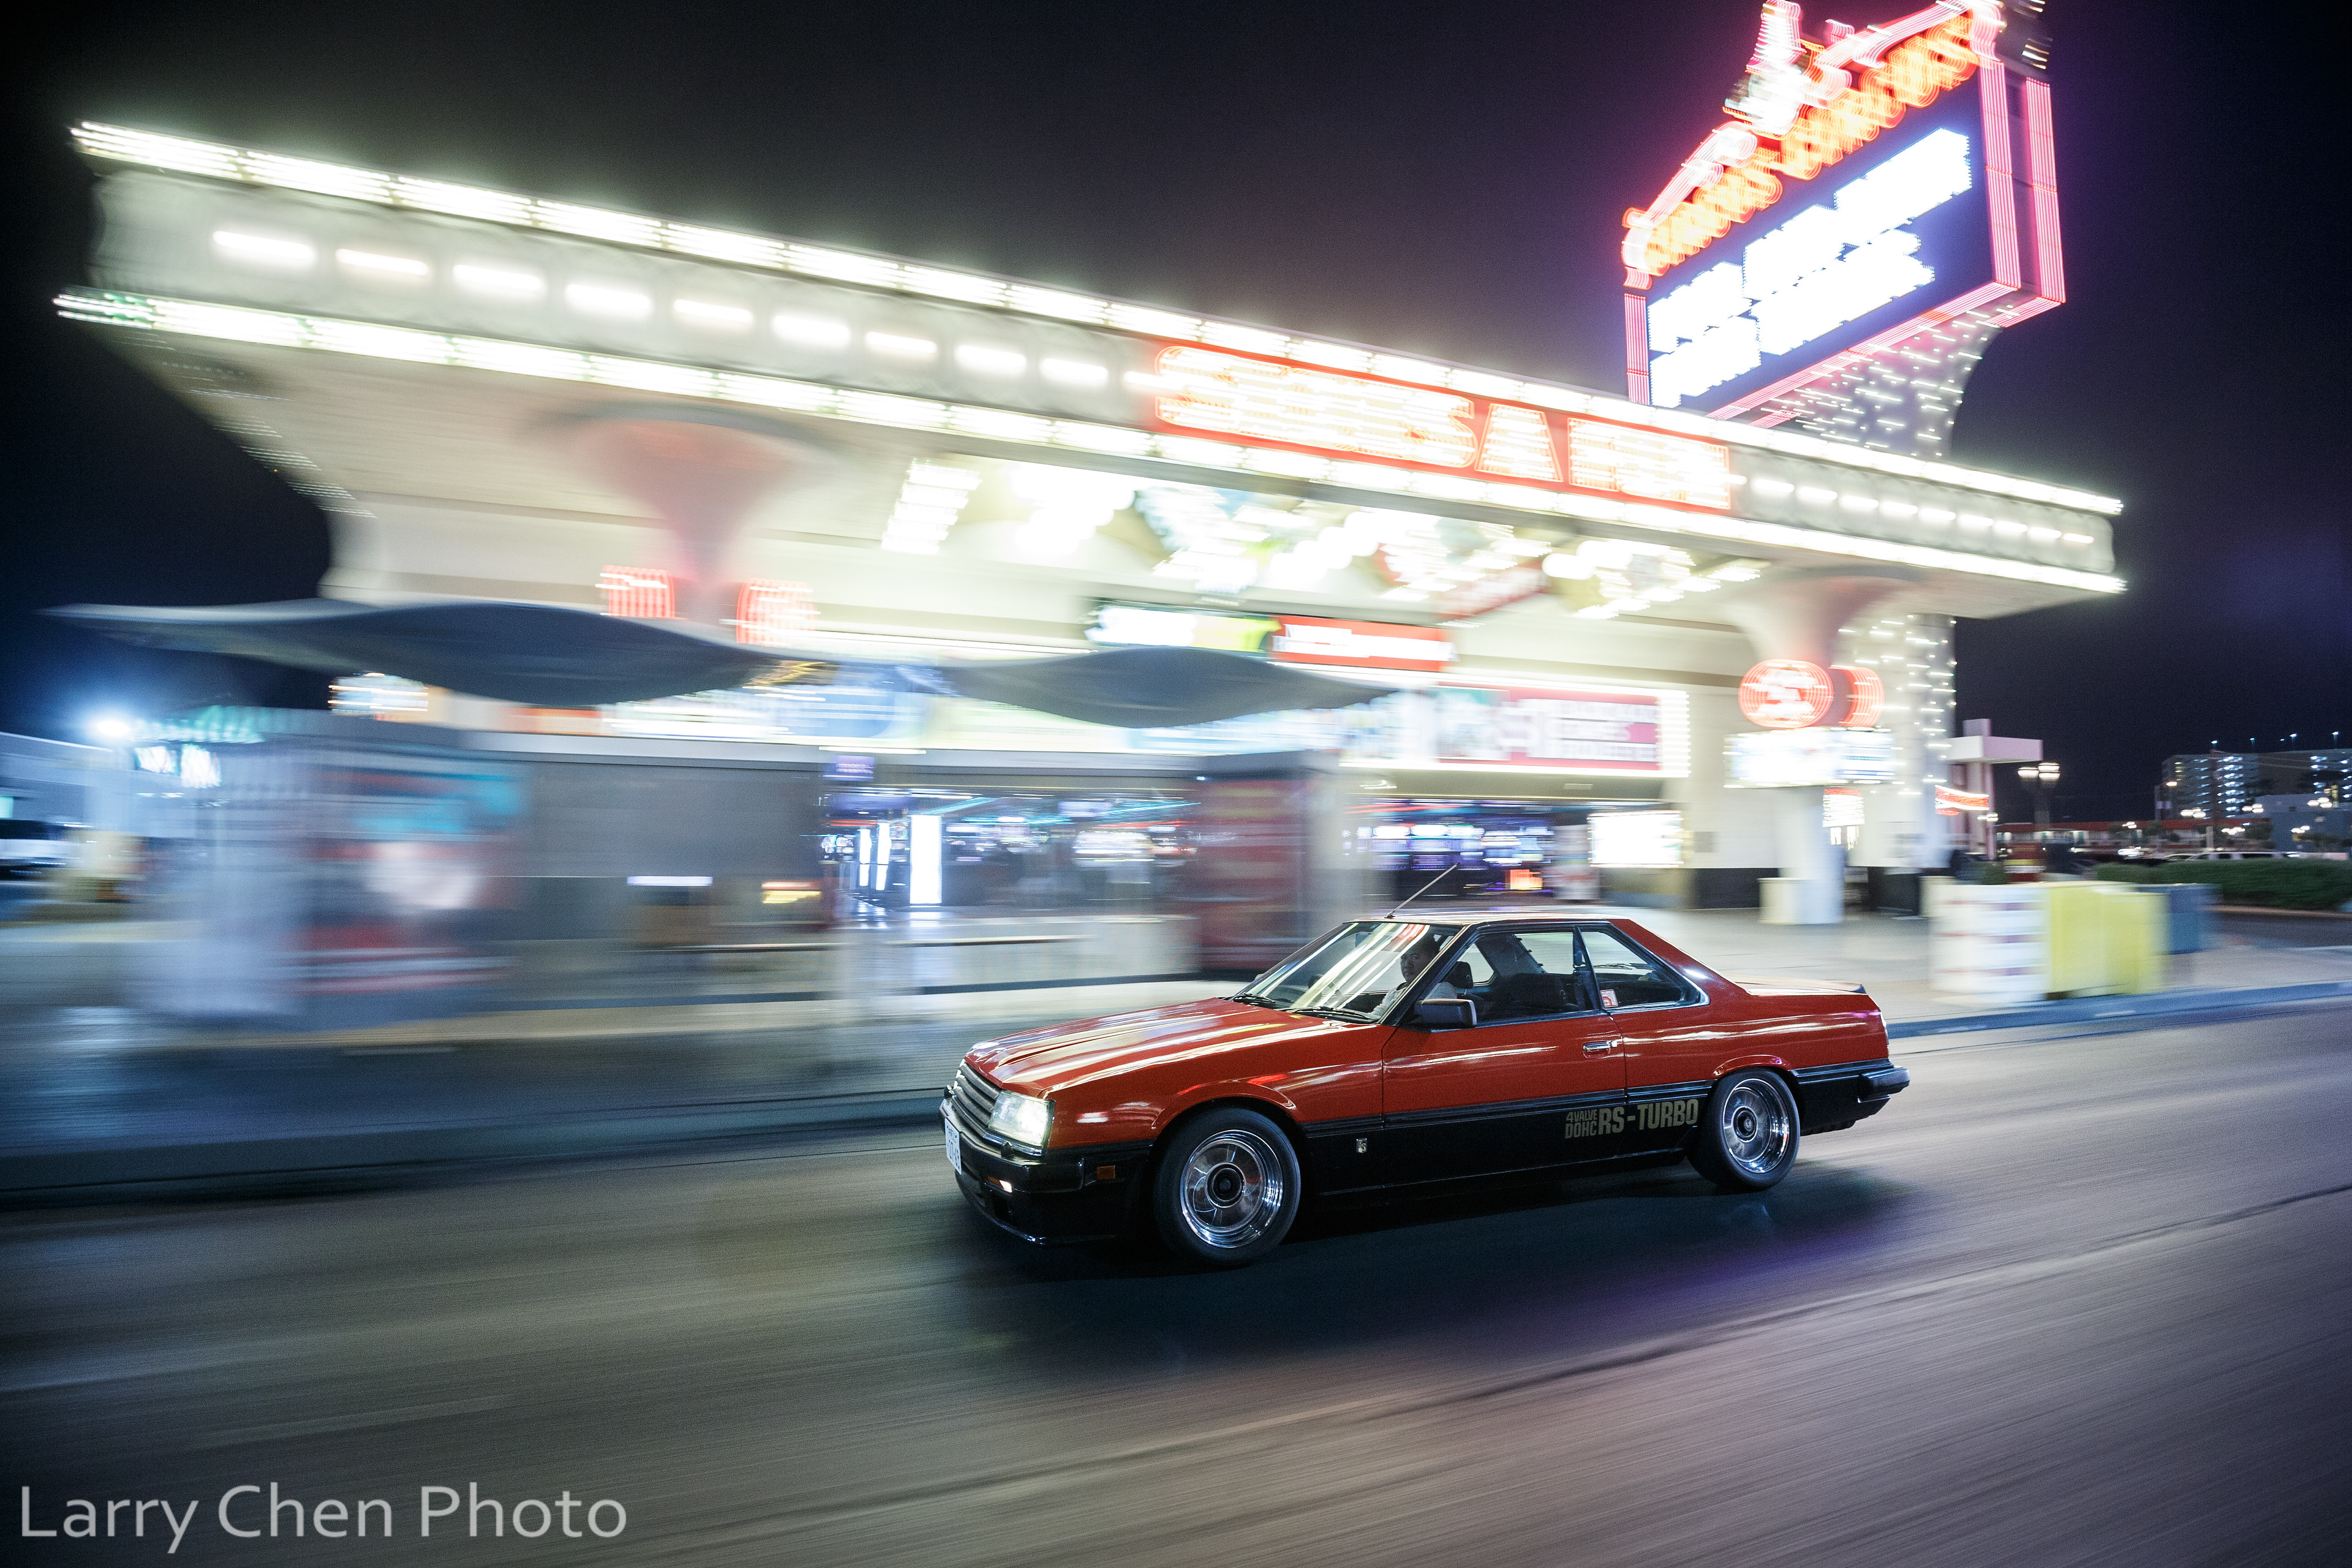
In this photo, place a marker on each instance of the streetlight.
(2040, 778)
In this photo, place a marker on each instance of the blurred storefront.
(875, 472)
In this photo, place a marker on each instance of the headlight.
(1021, 1120)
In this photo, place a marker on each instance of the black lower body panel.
(1830, 1099)
(1086, 1194)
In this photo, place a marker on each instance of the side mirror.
(1448, 1013)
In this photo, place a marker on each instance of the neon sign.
(1785, 694)
(1225, 393)
(638, 593)
(1823, 268)
(1365, 644)
(1951, 802)
(1648, 464)
(1813, 115)
(1229, 394)
(1946, 209)
(1866, 696)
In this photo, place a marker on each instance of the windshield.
(1354, 973)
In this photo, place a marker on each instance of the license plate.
(955, 1148)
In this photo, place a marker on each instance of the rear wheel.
(1748, 1135)
(1227, 1189)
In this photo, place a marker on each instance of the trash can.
(2187, 916)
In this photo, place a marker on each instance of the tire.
(1746, 1138)
(1226, 1189)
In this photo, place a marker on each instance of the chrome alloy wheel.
(1231, 1189)
(1755, 1129)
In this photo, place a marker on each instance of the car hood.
(1794, 985)
(1065, 1053)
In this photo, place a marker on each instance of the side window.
(1629, 977)
(1525, 974)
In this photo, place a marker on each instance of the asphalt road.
(2077, 1300)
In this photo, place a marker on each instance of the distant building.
(2218, 783)
(2227, 783)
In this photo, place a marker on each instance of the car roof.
(1497, 917)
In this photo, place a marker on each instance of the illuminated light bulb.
(897, 345)
(1073, 372)
(1573, 568)
(263, 250)
(1517, 445)
(734, 318)
(811, 331)
(390, 266)
(597, 299)
(984, 361)
(498, 282)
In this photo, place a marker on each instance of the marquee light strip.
(238, 323)
(220, 161)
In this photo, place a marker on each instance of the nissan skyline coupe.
(1390, 1054)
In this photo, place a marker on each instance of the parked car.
(29, 847)
(1390, 1053)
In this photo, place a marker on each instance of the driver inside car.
(1421, 954)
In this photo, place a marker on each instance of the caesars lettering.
(1916, 71)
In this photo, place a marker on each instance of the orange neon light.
(1785, 694)
(1951, 802)
(1271, 400)
(1914, 73)
(769, 613)
(1231, 395)
(1517, 445)
(1866, 696)
(639, 593)
(1648, 464)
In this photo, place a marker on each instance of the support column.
(1798, 614)
(701, 473)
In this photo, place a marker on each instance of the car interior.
(1534, 974)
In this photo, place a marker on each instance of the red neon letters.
(1785, 694)
(1271, 400)
(1795, 694)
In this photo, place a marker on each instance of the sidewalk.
(103, 1098)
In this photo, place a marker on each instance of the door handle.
(1594, 1047)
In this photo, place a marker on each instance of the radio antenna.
(1416, 893)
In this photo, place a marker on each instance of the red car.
(1395, 1051)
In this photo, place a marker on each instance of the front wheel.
(1227, 1189)
(1748, 1135)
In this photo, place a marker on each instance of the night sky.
(1440, 180)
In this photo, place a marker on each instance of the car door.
(1538, 1081)
(1669, 1038)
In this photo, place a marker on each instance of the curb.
(2146, 1004)
(118, 1174)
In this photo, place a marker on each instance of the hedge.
(2274, 884)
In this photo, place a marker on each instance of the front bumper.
(1084, 1194)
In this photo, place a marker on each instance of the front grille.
(973, 1098)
